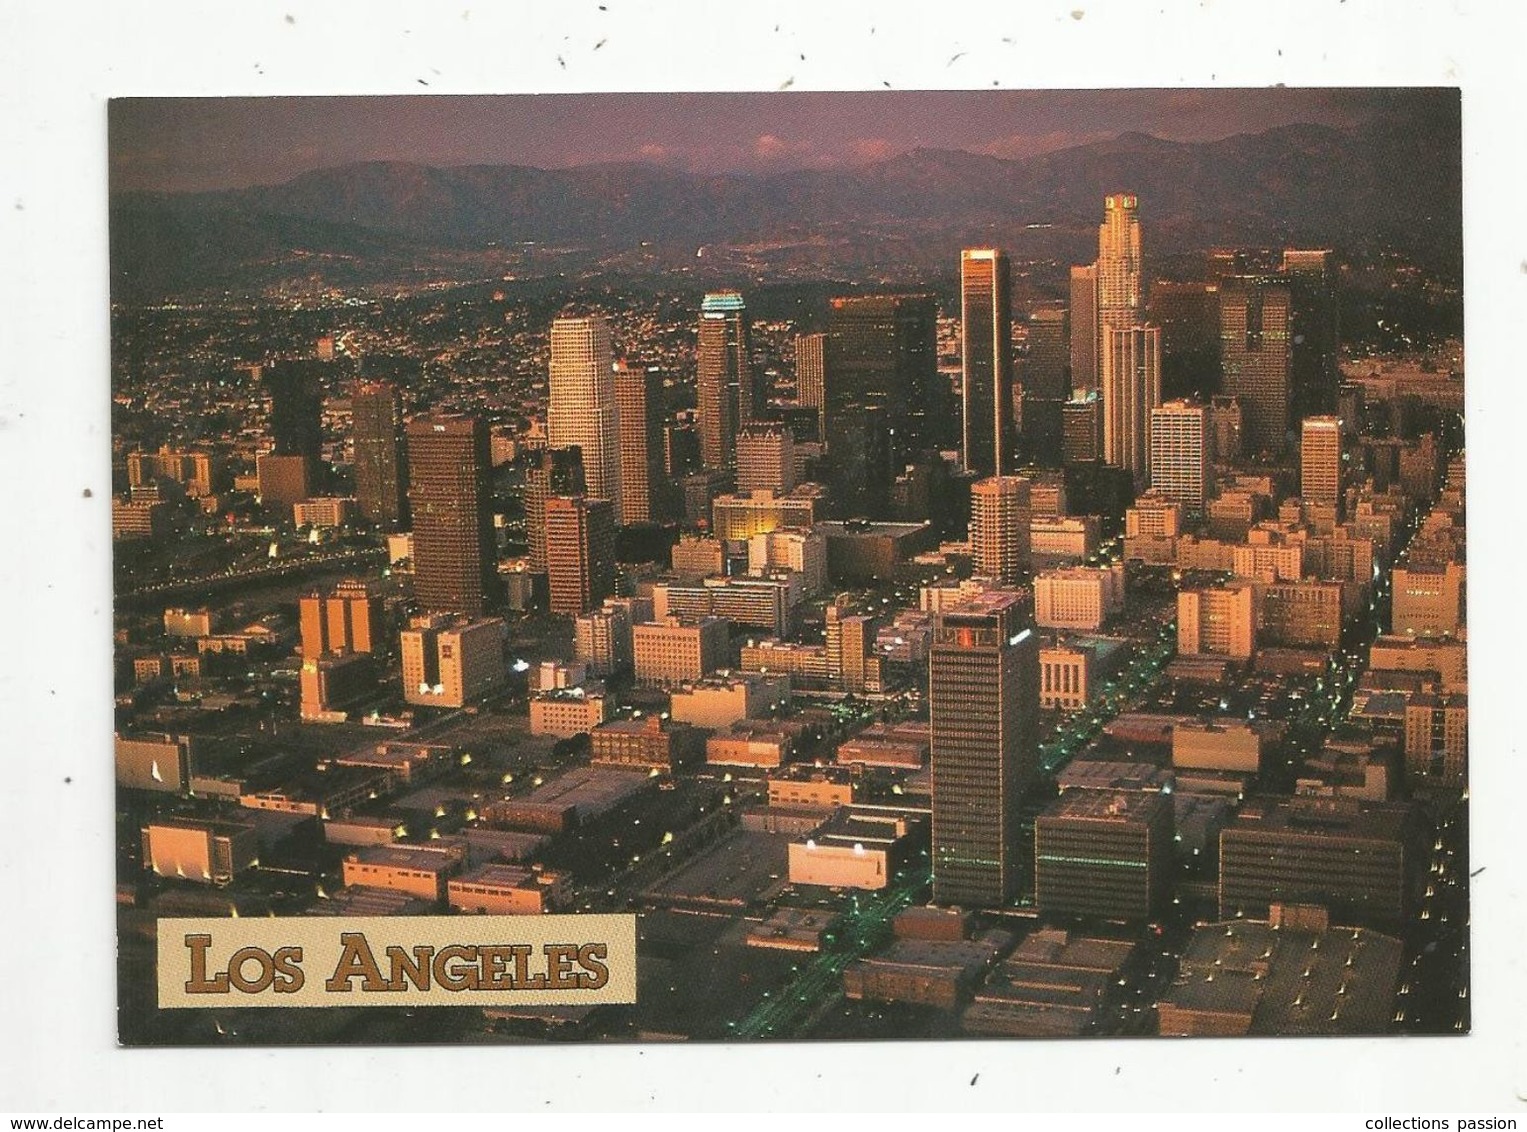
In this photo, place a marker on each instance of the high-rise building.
(296, 410)
(1320, 461)
(726, 390)
(556, 471)
(882, 350)
(582, 408)
(1082, 430)
(1255, 355)
(455, 556)
(983, 697)
(1046, 388)
(639, 399)
(1085, 335)
(1315, 331)
(986, 369)
(765, 458)
(1179, 451)
(1131, 389)
(346, 619)
(1119, 297)
(381, 462)
(1218, 622)
(1225, 423)
(450, 661)
(810, 374)
(999, 527)
(580, 552)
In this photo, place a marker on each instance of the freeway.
(212, 584)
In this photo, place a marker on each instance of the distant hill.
(1301, 184)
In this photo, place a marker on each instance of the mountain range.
(1367, 190)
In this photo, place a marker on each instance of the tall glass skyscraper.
(583, 410)
(986, 326)
(455, 562)
(726, 392)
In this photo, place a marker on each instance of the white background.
(57, 67)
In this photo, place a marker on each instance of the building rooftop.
(1102, 774)
(1129, 806)
(1289, 981)
(1324, 817)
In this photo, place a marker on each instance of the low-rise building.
(724, 700)
(650, 742)
(210, 852)
(498, 889)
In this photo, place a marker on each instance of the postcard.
(621, 568)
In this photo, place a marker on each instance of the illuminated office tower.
(1320, 461)
(639, 399)
(1180, 454)
(349, 618)
(810, 375)
(1084, 327)
(381, 462)
(1120, 302)
(983, 700)
(726, 391)
(765, 458)
(455, 561)
(1131, 389)
(580, 552)
(556, 471)
(1000, 511)
(582, 411)
(986, 372)
(1255, 355)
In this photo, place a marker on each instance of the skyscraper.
(580, 552)
(1255, 356)
(556, 471)
(1085, 335)
(1315, 330)
(882, 350)
(296, 410)
(725, 387)
(1320, 461)
(765, 458)
(1180, 454)
(639, 399)
(583, 410)
(986, 327)
(1131, 389)
(1045, 385)
(983, 699)
(1120, 299)
(1000, 510)
(810, 375)
(381, 462)
(455, 561)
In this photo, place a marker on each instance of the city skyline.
(932, 688)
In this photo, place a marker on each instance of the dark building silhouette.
(381, 460)
(1256, 357)
(296, 409)
(883, 350)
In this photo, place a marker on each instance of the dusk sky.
(210, 143)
